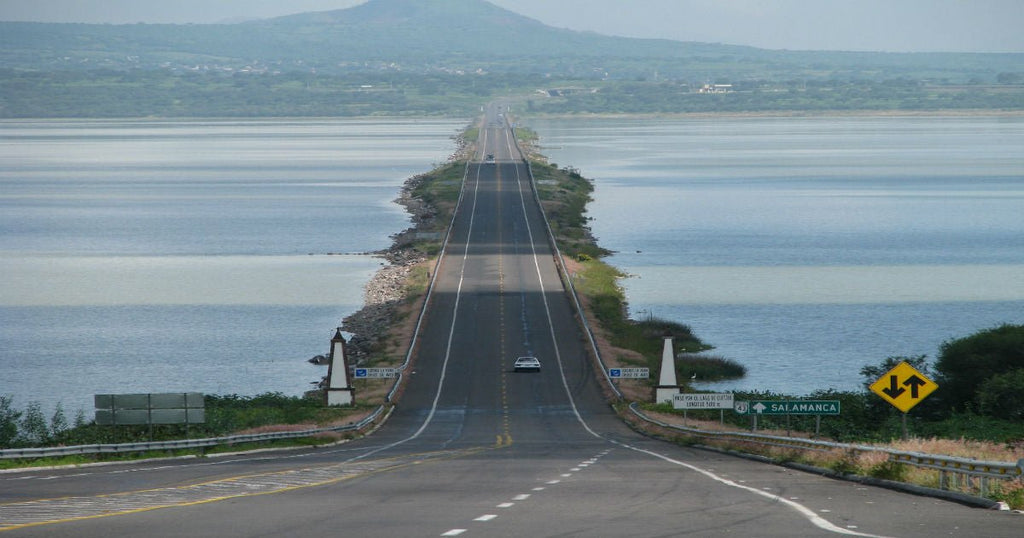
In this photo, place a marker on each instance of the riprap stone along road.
(474, 449)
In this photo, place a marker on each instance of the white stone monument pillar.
(339, 389)
(667, 385)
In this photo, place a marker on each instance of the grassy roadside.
(623, 342)
(225, 415)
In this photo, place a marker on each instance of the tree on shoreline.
(978, 372)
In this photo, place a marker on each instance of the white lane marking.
(809, 514)
(47, 511)
(506, 505)
(455, 312)
(521, 497)
(814, 518)
(566, 475)
(454, 532)
(553, 481)
(451, 331)
(486, 517)
(538, 489)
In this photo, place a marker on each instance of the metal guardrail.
(120, 448)
(948, 465)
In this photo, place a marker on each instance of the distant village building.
(564, 92)
(715, 88)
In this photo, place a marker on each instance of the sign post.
(903, 387)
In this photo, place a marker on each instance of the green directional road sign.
(794, 407)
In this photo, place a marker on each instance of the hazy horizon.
(856, 25)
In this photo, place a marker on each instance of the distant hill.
(415, 36)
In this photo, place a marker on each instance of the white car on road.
(525, 364)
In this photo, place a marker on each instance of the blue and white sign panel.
(629, 373)
(702, 401)
(375, 373)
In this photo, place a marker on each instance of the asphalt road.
(475, 449)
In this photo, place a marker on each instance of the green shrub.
(965, 364)
(1000, 396)
(1012, 493)
(9, 418)
(889, 470)
(847, 464)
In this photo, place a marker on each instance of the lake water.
(217, 256)
(806, 248)
(211, 256)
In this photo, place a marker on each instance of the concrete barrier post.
(339, 388)
(667, 384)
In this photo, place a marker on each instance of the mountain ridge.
(446, 36)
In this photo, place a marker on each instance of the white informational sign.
(629, 373)
(702, 401)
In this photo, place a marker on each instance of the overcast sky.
(876, 25)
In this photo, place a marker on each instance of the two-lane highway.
(476, 449)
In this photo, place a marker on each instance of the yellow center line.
(39, 512)
(505, 436)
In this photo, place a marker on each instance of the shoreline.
(866, 113)
(387, 291)
(941, 112)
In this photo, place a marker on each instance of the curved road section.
(474, 448)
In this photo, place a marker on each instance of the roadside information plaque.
(702, 401)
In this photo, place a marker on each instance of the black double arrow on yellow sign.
(903, 386)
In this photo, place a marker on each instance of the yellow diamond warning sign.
(903, 386)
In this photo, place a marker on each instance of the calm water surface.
(806, 248)
(215, 256)
(218, 256)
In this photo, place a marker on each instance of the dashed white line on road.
(486, 517)
(454, 532)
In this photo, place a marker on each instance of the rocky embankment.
(386, 290)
